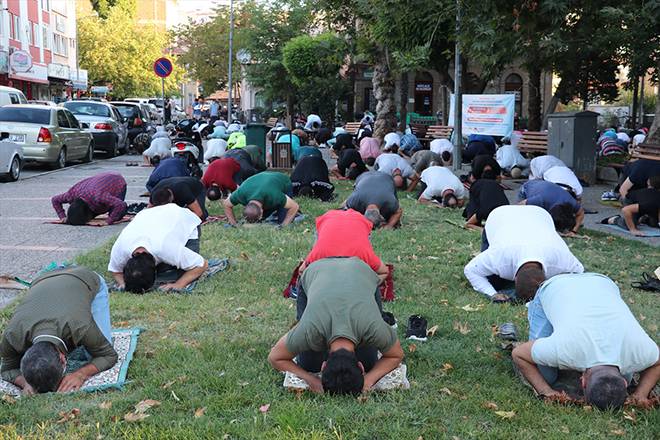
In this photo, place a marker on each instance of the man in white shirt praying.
(579, 322)
(163, 234)
(441, 187)
(389, 162)
(520, 246)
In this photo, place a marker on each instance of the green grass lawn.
(208, 350)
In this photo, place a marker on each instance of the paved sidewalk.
(27, 244)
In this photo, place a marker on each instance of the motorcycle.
(188, 152)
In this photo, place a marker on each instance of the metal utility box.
(255, 134)
(572, 138)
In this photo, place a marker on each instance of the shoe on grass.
(416, 328)
(388, 317)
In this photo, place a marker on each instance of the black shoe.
(416, 328)
(388, 317)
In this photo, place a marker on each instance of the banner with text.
(486, 114)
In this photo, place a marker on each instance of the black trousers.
(312, 360)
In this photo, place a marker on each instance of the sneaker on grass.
(416, 328)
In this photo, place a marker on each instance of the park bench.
(434, 132)
(352, 128)
(534, 142)
(271, 122)
(282, 155)
(646, 151)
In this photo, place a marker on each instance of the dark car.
(138, 120)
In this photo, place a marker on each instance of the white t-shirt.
(592, 326)
(388, 162)
(311, 120)
(541, 164)
(638, 139)
(438, 180)
(163, 231)
(160, 133)
(439, 146)
(565, 176)
(215, 148)
(159, 147)
(519, 234)
(508, 157)
(391, 139)
(623, 136)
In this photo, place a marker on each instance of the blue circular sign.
(163, 67)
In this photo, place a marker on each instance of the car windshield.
(156, 102)
(29, 115)
(127, 111)
(88, 109)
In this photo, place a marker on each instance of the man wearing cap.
(63, 310)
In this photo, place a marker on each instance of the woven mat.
(124, 341)
(395, 379)
(96, 221)
(647, 230)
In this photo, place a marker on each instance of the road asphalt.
(28, 243)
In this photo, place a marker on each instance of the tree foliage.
(124, 59)
(313, 64)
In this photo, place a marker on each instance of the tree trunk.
(534, 99)
(552, 106)
(635, 108)
(290, 110)
(403, 101)
(350, 104)
(654, 131)
(384, 92)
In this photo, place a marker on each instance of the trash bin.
(572, 138)
(255, 134)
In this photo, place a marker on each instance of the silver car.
(47, 134)
(11, 160)
(108, 128)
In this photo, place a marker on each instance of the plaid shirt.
(103, 193)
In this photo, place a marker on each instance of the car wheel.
(14, 169)
(115, 149)
(90, 153)
(61, 159)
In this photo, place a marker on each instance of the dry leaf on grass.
(135, 417)
(264, 408)
(630, 415)
(166, 385)
(362, 397)
(432, 330)
(145, 405)
(175, 396)
(505, 414)
(8, 399)
(245, 256)
(199, 412)
(105, 405)
(462, 328)
(412, 348)
(619, 432)
(446, 391)
(471, 308)
(490, 405)
(65, 416)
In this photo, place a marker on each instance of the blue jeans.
(101, 310)
(540, 327)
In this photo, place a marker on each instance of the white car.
(11, 160)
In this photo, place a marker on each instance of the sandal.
(648, 283)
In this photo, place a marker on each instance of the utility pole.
(458, 94)
(231, 58)
(641, 100)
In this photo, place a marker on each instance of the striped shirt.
(103, 193)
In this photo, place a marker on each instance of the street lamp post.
(458, 95)
(231, 58)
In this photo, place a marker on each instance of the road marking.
(39, 248)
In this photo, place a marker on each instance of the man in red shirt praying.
(345, 234)
(220, 177)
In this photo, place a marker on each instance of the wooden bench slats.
(533, 142)
(646, 151)
(352, 127)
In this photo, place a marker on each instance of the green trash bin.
(255, 134)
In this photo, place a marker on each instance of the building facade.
(38, 48)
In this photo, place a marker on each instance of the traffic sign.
(163, 67)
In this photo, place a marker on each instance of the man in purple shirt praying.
(93, 196)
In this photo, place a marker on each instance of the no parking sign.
(163, 67)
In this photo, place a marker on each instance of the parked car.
(11, 160)
(10, 95)
(137, 117)
(40, 102)
(107, 126)
(47, 134)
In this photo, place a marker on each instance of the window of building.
(28, 32)
(45, 37)
(17, 27)
(514, 84)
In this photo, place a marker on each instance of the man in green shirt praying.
(262, 195)
(64, 309)
(340, 330)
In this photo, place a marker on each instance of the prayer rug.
(647, 230)
(395, 379)
(96, 221)
(124, 341)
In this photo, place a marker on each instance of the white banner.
(486, 114)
